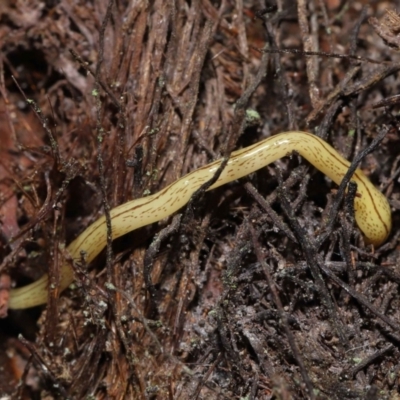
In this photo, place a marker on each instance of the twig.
(282, 315)
(328, 228)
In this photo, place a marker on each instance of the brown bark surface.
(259, 290)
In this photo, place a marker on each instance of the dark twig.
(151, 253)
(268, 209)
(348, 223)
(238, 126)
(282, 315)
(309, 248)
(204, 378)
(45, 124)
(372, 78)
(280, 71)
(330, 100)
(328, 228)
(359, 297)
(321, 53)
(43, 367)
(99, 81)
(355, 32)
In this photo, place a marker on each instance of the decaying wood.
(262, 289)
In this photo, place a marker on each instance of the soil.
(261, 289)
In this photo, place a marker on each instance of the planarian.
(372, 211)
